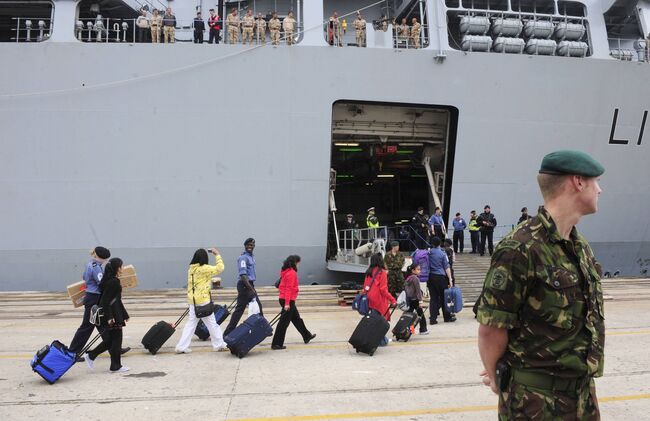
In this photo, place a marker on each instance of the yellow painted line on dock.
(326, 346)
(407, 413)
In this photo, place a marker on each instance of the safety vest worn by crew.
(473, 225)
(370, 223)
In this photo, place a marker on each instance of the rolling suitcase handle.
(89, 345)
(232, 305)
(180, 319)
(275, 319)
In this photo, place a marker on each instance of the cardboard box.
(77, 292)
(128, 278)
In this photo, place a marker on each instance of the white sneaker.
(184, 351)
(90, 363)
(122, 369)
(426, 332)
(222, 348)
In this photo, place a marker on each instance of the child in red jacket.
(288, 293)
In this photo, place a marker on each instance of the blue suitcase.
(53, 361)
(248, 334)
(221, 313)
(454, 299)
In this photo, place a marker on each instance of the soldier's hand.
(487, 381)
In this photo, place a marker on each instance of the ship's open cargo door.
(385, 155)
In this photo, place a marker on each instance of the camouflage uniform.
(402, 33)
(394, 264)
(415, 34)
(546, 291)
(360, 31)
(260, 30)
(274, 28)
(232, 22)
(289, 26)
(247, 32)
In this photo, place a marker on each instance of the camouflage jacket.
(394, 263)
(546, 291)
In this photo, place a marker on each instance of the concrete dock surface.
(432, 377)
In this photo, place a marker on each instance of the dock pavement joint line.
(316, 345)
(406, 413)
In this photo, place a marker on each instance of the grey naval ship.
(154, 150)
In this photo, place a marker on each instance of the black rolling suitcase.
(405, 326)
(372, 328)
(154, 339)
(221, 313)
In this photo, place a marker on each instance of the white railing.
(348, 37)
(32, 29)
(629, 49)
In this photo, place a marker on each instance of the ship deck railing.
(629, 49)
(31, 29)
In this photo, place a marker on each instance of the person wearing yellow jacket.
(473, 231)
(199, 283)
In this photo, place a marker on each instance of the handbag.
(204, 310)
(97, 313)
(360, 302)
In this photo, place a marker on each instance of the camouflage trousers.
(289, 37)
(520, 402)
(360, 38)
(247, 35)
(275, 36)
(233, 34)
(395, 282)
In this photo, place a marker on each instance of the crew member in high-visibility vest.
(473, 231)
(372, 222)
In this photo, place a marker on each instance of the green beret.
(571, 162)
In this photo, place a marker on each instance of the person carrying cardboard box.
(92, 277)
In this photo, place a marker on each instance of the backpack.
(421, 257)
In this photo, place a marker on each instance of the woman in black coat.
(115, 317)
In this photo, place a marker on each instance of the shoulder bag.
(204, 310)
(360, 302)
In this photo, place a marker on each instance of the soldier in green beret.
(542, 328)
(394, 261)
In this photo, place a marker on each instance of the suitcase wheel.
(241, 355)
(371, 353)
(357, 351)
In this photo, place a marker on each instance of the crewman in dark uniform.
(542, 325)
(486, 222)
(420, 225)
(245, 286)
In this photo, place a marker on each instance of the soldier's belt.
(548, 382)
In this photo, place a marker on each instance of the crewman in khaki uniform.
(289, 26)
(274, 28)
(415, 33)
(232, 22)
(260, 29)
(403, 33)
(156, 23)
(360, 30)
(248, 22)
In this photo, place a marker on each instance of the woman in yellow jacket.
(199, 283)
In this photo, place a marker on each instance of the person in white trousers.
(199, 284)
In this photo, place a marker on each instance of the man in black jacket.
(420, 225)
(486, 222)
(199, 28)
